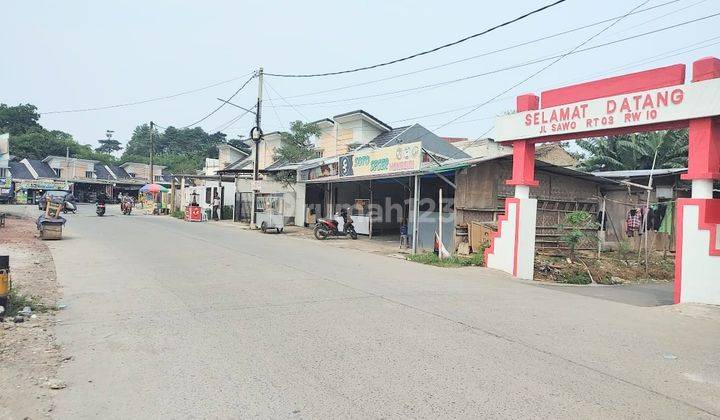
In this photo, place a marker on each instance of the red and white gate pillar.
(697, 257)
(512, 247)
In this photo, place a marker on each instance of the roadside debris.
(56, 384)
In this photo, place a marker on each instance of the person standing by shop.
(216, 206)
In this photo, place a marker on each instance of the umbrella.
(153, 188)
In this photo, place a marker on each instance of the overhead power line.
(536, 73)
(438, 48)
(222, 104)
(224, 126)
(144, 101)
(507, 68)
(495, 51)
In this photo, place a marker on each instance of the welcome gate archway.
(657, 99)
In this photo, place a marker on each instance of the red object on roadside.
(193, 214)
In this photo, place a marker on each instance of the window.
(89, 174)
(58, 172)
(132, 174)
(208, 195)
(159, 178)
(3, 172)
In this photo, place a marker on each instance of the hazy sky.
(62, 55)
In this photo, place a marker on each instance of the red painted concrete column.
(704, 138)
(524, 150)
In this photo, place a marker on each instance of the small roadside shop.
(388, 191)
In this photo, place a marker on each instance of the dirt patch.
(611, 268)
(29, 354)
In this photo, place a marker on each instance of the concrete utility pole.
(257, 138)
(152, 152)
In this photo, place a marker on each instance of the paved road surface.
(177, 320)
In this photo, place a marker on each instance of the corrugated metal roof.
(639, 173)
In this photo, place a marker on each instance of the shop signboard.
(41, 184)
(319, 172)
(668, 104)
(384, 161)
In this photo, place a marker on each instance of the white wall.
(700, 271)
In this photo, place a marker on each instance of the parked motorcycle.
(100, 209)
(324, 228)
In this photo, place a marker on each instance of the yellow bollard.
(5, 283)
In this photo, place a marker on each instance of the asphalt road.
(168, 319)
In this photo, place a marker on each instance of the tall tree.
(108, 146)
(19, 119)
(296, 145)
(635, 151)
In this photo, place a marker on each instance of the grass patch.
(575, 276)
(18, 301)
(430, 258)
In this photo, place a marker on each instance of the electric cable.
(144, 101)
(275, 111)
(485, 54)
(222, 104)
(285, 100)
(228, 124)
(556, 57)
(438, 48)
(534, 74)
(654, 58)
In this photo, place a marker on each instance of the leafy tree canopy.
(19, 119)
(108, 146)
(182, 150)
(29, 139)
(635, 151)
(296, 145)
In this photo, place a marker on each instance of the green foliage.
(17, 302)
(227, 212)
(576, 275)
(19, 119)
(625, 251)
(28, 139)
(108, 146)
(575, 229)
(182, 150)
(178, 214)
(296, 145)
(476, 259)
(635, 151)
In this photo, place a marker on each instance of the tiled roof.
(102, 173)
(119, 172)
(385, 137)
(42, 168)
(241, 163)
(19, 171)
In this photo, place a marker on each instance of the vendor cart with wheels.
(269, 212)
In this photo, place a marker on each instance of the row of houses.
(391, 179)
(24, 181)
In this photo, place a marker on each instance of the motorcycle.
(100, 209)
(69, 207)
(126, 207)
(324, 228)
